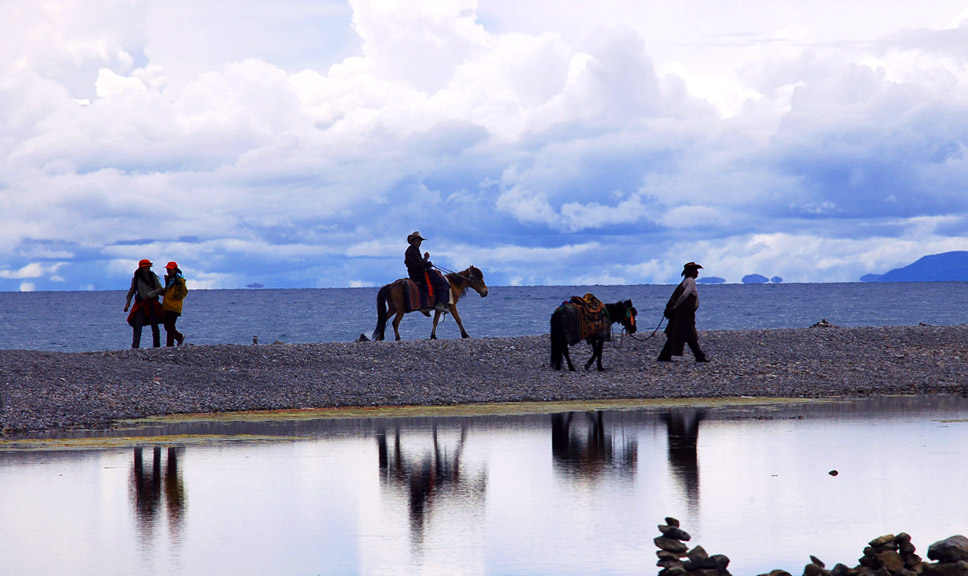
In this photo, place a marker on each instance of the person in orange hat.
(146, 309)
(681, 312)
(173, 295)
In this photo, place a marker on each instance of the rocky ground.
(48, 390)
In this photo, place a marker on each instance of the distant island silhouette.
(945, 267)
(711, 280)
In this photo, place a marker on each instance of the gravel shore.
(49, 390)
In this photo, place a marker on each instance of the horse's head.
(475, 279)
(628, 322)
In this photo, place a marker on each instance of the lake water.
(563, 493)
(86, 321)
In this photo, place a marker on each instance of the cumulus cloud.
(298, 143)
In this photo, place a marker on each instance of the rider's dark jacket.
(416, 265)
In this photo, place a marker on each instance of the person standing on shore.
(173, 294)
(146, 309)
(681, 312)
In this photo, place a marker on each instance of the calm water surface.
(86, 321)
(563, 493)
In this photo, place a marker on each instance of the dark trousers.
(171, 333)
(666, 353)
(139, 322)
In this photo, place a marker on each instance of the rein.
(458, 274)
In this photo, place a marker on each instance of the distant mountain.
(755, 279)
(711, 280)
(946, 267)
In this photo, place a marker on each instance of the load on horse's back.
(587, 318)
(403, 295)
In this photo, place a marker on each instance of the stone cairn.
(887, 555)
(672, 550)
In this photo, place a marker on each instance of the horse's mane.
(465, 277)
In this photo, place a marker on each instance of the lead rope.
(637, 339)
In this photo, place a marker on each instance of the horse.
(566, 318)
(392, 300)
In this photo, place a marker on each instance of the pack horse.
(587, 318)
(400, 297)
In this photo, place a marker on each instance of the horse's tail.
(557, 339)
(381, 312)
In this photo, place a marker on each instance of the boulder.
(950, 549)
(891, 560)
(670, 545)
(674, 532)
(698, 553)
(959, 568)
(882, 540)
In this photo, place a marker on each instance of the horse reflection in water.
(152, 484)
(583, 447)
(430, 471)
(682, 427)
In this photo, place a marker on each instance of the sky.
(297, 143)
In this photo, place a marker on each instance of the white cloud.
(110, 84)
(32, 270)
(605, 140)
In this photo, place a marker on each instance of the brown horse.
(392, 300)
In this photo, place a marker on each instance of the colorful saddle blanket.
(590, 318)
(417, 296)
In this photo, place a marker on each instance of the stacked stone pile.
(887, 555)
(891, 555)
(677, 559)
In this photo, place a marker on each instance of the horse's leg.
(453, 311)
(396, 323)
(433, 331)
(597, 345)
(568, 358)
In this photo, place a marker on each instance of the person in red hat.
(173, 295)
(681, 312)
(146, 309)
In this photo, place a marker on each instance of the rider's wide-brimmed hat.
(690, 266)
(415, 236)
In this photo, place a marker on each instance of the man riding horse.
(422, 271)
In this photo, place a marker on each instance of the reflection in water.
(487, 494)
(682, 427)
(428, 474)
(583, 448)
(151, 484)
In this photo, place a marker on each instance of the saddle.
(590, 318)
(417, 296)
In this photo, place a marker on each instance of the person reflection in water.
(683, 436)
(149, 484)
(592, 453)
(428, 476)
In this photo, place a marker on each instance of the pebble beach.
(47, 391)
